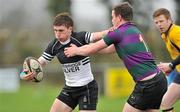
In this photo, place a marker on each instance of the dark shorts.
(86, 96)
(177, 77)
(148, 94)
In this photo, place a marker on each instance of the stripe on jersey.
(47, 56)
(87, 37)
(85, 60)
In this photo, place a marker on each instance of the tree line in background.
(16, 45)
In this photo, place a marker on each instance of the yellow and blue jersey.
(173, 35)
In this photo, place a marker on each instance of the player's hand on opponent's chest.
(70, 51)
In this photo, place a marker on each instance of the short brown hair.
(125, 10)
(162, 11)
(63, 19)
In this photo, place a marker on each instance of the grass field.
(39, 97)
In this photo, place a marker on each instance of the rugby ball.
(32, 65)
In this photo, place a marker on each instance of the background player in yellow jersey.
(170, 33)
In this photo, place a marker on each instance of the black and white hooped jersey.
(77, 69)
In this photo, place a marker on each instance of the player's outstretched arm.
(99, 35)
(85, 50)
(108, 50)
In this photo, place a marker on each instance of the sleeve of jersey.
(84, 37)
(109, 38)
(88, 37)
(48, 54)
(176, 61)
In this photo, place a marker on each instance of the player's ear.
(119, 17)
(70, 28)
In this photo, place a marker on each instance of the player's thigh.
(171, 96)
(129, 108)
(59, 106)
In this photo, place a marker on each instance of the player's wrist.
(176, 61)
(171, 66)
(23, 74)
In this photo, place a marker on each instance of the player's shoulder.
(175, 31)
(175, 26)
(80, 34)
(52, 44)
(83, 36)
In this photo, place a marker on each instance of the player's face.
(62, 33)
(115, 19)
(162, 23)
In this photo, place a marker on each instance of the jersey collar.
(167, 32)
(65, 42)
(126, 23)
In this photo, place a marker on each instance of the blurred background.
(26, 29)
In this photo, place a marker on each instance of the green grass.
(39, 98)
